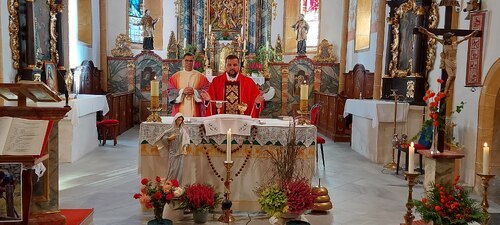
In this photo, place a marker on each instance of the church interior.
(368, 112)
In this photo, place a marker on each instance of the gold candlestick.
(303, 118)
(226, 216)
(410, 177)
(485, 182)
(154, 109)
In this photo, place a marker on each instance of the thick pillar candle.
(486, 158)
(155, 88)
(304, 97)
(228, 150)
(411, 156)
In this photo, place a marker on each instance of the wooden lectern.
(41, 207)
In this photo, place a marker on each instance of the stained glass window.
(310, 9)
(135, 13)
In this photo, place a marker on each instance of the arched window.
(135, 13)
(311, 10)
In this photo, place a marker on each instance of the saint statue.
(449, 54)
(148, 27)
(173, 143)
(301, 28)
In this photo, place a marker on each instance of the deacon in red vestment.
(234, 88)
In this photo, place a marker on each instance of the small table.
(439, 167)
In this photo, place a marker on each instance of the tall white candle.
(185, 42)
(241, 31)
(228, 150)
(155, 87)
(411, 156)
(209, 29)
(486, 158)
(206, 43)
(304, 91)
(267, 44)
(245, 44)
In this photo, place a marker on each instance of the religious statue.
(449, 54)
(173, 143)
(301, 28)
(278, 50)
(148, 26)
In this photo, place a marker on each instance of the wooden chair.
(108, 126)
(319, 140)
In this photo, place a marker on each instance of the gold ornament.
(322, 202)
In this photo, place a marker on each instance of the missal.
(23, 137)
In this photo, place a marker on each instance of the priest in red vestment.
(234, 88)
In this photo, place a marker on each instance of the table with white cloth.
(78, 131)
(252, 140)
(373, 126)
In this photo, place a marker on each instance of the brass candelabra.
(410, 177)
(154, 109)
(485, 182)
(226, 216)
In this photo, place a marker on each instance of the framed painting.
(51, 76)
(225, 18)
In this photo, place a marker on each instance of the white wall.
(8, 71)
(331, 23)
(79, 51)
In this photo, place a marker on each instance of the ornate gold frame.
(244, 23)
(13, 6)
(330, 55)
(404, 8)
(431, 42)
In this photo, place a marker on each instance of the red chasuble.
(242, 90)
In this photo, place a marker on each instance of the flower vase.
(171, 211)
(158, 211)
(200, 216)
(434, 149)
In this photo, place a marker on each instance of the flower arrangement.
(293, 197)
(200, 197)
(449, 204)
(254, 67)
(158, 192)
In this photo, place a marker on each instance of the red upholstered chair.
(319, 140)
(108, 125)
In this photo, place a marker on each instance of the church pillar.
(343, 46)
(377, 79)
(104, 47)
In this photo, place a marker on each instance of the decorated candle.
(155, 87)
(228, 150)
(304, 97)
(411, 155)
(486, 158)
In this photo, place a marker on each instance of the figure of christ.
(172, 143)
(185, 88)
(449, 54)
(234, 88)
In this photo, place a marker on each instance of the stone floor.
(363, 193)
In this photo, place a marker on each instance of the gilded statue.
(449, 54)
(325, 52)
(122, 46)
(172, 48)
(278, 50)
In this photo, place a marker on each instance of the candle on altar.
(241, 31)
(228, 150)
(486, 158)
(304, 91)
(267, 44)
(155, 87)
(185, 42)
(244, 45)
(411, 155)
(206, 43)
(209, 29)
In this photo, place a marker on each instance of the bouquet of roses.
(156, 193)
(449, 204)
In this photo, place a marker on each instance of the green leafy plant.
(273, 201)
(448, 204)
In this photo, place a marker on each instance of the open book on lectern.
(23, 137)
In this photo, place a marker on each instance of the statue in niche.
(301, 28)
(449, 54)
(148, 27)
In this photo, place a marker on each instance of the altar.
(77, 131)
(206, 154)
(373, 126)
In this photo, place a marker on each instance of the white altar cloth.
(267, 135)
(373, 126)
(77, 131)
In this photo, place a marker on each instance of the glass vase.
(434, 149)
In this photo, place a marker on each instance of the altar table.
(267, 135)
(77, 131)
(373, 126)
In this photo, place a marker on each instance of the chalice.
(218, 105)
(242, 107)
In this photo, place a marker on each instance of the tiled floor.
(361, 191)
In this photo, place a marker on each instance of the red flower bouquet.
(448, 204)
(156, 193)
(200, 197)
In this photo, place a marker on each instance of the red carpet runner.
(78, 216)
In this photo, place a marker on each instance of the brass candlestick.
(226, 216)
(485, 182)
(154, 109)
(410, 177)
(303, 118)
